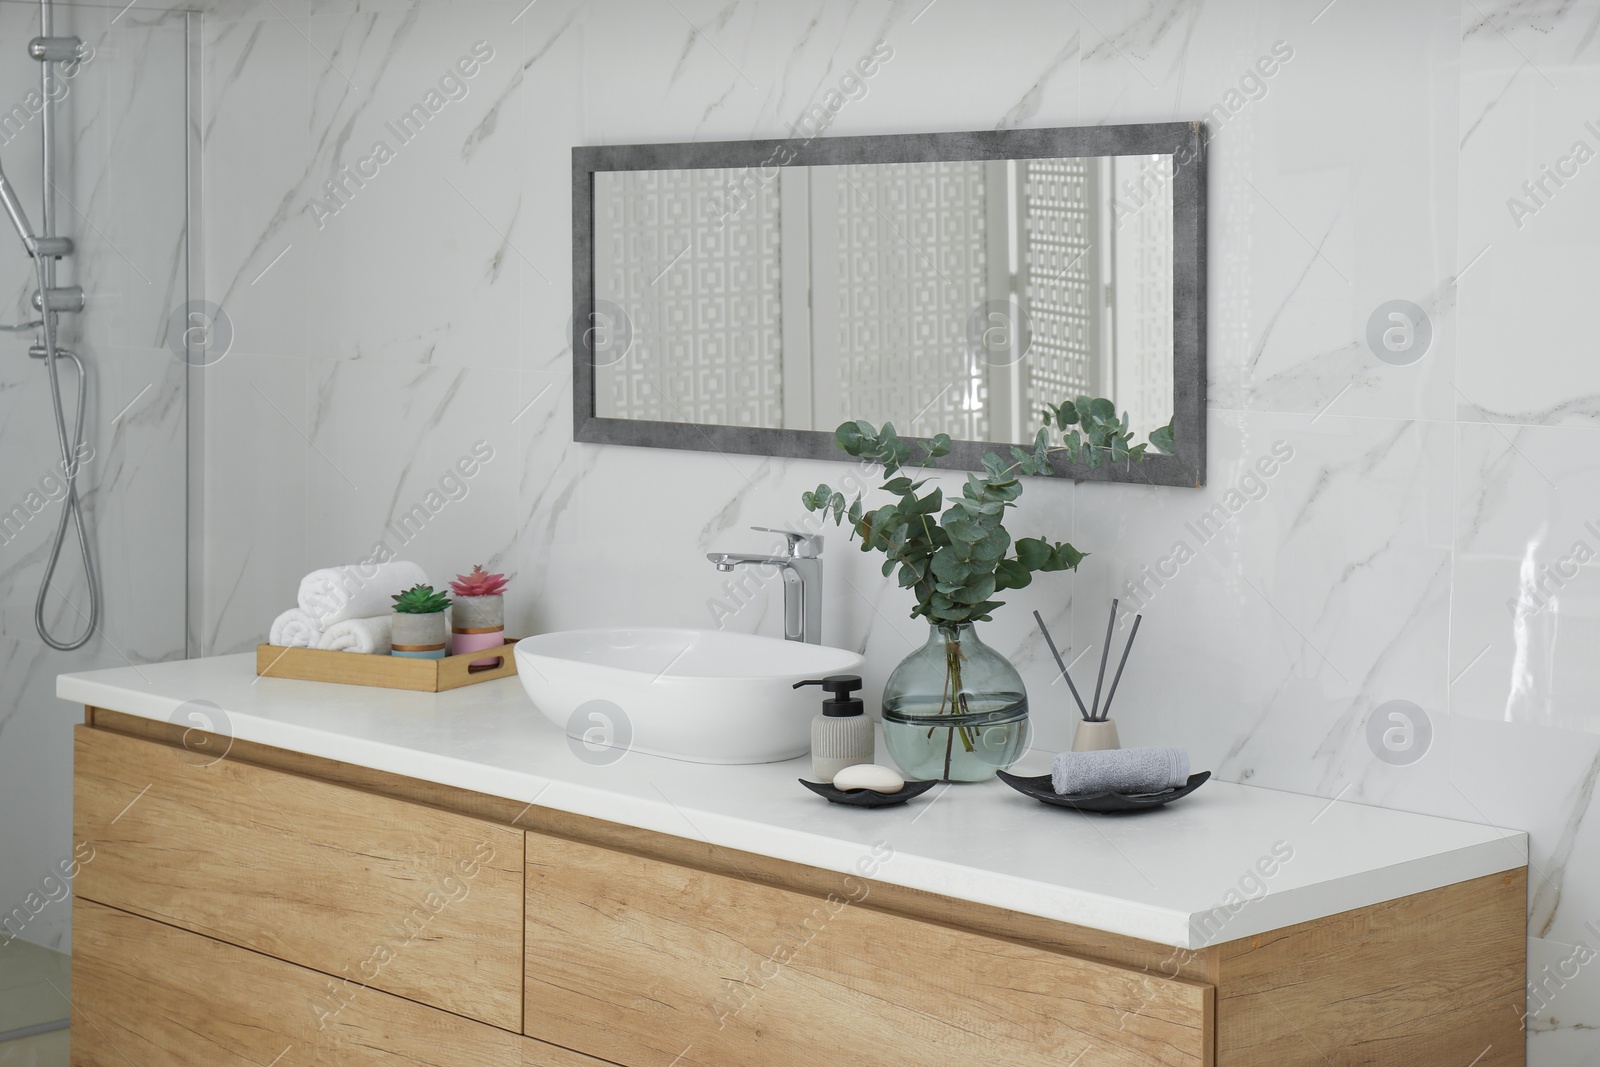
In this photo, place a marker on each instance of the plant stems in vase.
(954, 559)
(955, 709)
(480, 614)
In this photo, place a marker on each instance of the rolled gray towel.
(1119, 770)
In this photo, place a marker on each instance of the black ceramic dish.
(1039, 788)
(866, 798)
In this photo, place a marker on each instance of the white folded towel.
(357, 590)
(296, 629)
(359, 635)
(1119, 770)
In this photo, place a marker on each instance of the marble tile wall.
(122, 199)
(1428, 531)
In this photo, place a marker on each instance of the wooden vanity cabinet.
(271, 907)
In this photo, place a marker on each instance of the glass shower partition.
(123, 194)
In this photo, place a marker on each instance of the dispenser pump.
(841, 686)
(842, 736)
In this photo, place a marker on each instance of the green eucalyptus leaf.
(1010, 574)
(947, 566)
(963, 532)
(1162, 439)
(930, 504)
(976, 591)
(991, 548)
(954, 558)
(1033, 553)
(1062, 557)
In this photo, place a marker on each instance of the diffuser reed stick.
(1060, 663)
(1124, 662)
(1094, 712)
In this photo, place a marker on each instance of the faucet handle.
(804, 546)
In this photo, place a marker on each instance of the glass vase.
(955, 709)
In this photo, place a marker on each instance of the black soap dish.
(867, 798)
(1039, 788)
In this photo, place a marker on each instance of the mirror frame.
(1184, 141)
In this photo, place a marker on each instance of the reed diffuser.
(1096, 730)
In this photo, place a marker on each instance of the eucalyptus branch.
(958, 563)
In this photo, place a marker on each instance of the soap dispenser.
(842, 735)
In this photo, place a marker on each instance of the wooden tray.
(388, 672)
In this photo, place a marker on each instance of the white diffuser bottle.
(842, 735)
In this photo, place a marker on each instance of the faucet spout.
(801, 570)
(726, 561)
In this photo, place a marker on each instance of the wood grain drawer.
(405, 898)
(147, 993)
(647, 963)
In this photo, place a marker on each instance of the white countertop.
(1153, 875)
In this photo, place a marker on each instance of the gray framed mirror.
(749, 296)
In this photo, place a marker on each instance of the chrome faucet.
(801, 568)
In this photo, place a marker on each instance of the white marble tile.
(1305, 585)
(1564, 993)
(410, 259)
(551, 64)
(1332, 187)
(386, 445)
(1529, 79)
(140, 496)
(255, 156)
(127, 208)
(1526, 610)
(257, 454)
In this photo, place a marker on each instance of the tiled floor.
(41, 1050)
(35, 984)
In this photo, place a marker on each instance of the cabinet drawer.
(147, 993)
(640, 961)
(398, 896)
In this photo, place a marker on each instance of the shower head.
(19, 218)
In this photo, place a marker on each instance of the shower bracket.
(53, 247)
(60, 298)
(56, 49)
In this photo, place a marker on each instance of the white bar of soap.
(869, 776)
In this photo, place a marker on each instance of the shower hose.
(71, 507)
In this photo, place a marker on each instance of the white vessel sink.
(696, 695)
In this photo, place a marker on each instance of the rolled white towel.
(296, 629)
(1119, 770)
(358, 635)
(357, 590)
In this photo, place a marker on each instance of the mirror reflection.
(945, 297)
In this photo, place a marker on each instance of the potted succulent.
(956, 709)
(480, 613)
(419, 630)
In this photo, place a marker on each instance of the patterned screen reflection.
(946, 297)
